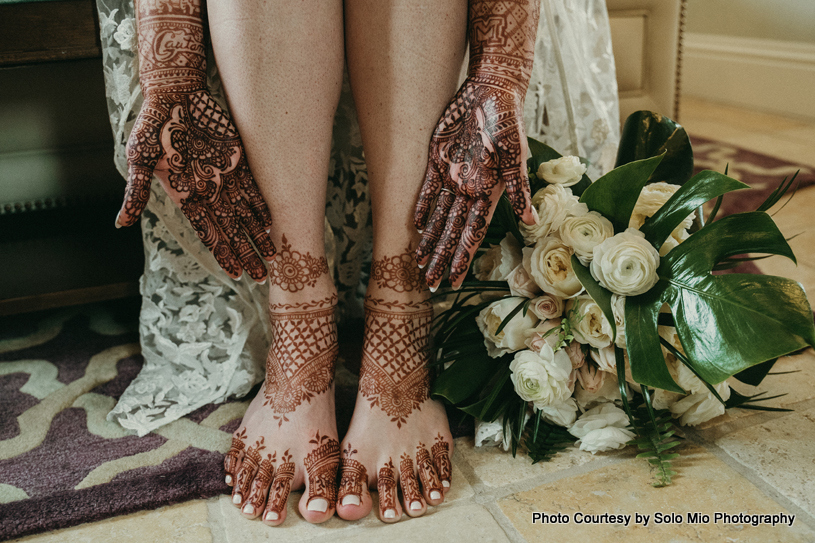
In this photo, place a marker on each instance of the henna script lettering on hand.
(479, 146)
(183, 136)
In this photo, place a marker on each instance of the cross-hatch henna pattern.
(394, 375)
(293, 271)
(281, 487)
(479, 146)
(321, 468)
(181, 129)
(300, 364)
(354, 475)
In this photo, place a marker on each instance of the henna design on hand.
(354, 476)
(479, 146)
(393, 375)
(251, 461)
(300, 364)
(441, 459)
(386, 486)
(183, 136)
(408, 482)
(293, 271)
(260, 484)
(427, 472)
(279, 493)
(399, 273)
(233, 455)
(321, 468)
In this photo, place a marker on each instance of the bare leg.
(281, 65)
(404, 58)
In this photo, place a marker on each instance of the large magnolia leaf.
(726, 323)
(647, 134)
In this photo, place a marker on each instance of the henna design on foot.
(410, 486)
(293, 271)
(386, 486)
(399, 273)
(354, 478)
(251, 461)
(321, 467)
(279, 493)
(300, 364)
(394, 374)
(329, 301)
(441, 459)
(260, 485)
(427, 473)
(234, 455)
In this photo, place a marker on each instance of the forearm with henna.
(185, 138)
(479, 147)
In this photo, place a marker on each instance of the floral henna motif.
(233, 455)
(293, 271)
(479, 146)
(410, 486)
(386, 486)
(206, 174)
(281, 487)
(394, 374)
(427, 473)
(261, 482)
(441, 459)
(251, 461)
(301, 361)
(354, 476)
(321, 468)
(400, 273)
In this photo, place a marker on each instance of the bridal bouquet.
(610, 320)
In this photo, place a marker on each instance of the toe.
(256, 499)
(246, 474)
(353, 499)
(275, 512)
(234, 456)
(390, 510)
(431, 484)
(442, 463)
(320, 497)
(412, 501)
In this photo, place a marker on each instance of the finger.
(227, 221)
(429, 192)
(446, 246)
(441, 460)
(247, 184)
(249, 221)
(412, 497)
(137, 194)
(389, 508)
(513, 173)
(253, 505)
(212, 237)
(471, 238)
(246, 473)
(431, 485)
(275, 512)
(433, 232)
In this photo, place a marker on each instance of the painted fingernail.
(421, 266)
(249, 510)
(435, 495)
(415, 506)
(350, 499)
(389, 513)
(117, 224)
(456, 287)
(421, 231)
(236, 499)
(229, 479)
(445, 484)
(271, 515)
(434, 289)
(318, 504)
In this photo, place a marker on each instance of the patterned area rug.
(62, 463)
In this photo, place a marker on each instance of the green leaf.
(702, 187)
(464, 378)
(726, 323)
(647, 134)
(598, 293)
(522, 305)
(755, 375)
(615, 194)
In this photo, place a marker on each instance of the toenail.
(229, 479)
(350, 499)
(249, 510)
(271, 515)
(445, 484)
(435, 495)
(236, 499)
(318, 504)
(415, 506)
(389, 513)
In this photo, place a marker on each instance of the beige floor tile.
(781, 453)
(706, 485)
(183, 523)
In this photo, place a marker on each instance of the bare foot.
(399, 438)
(288, 437)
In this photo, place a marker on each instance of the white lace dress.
(204, 336)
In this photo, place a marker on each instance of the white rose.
(550, 265)
(521, 283)
(626, 264)
(618, 309)
(512, 337)
(584, 233)
(499, 260)
(562, 414)
(589, 325)
(547, 306)
(700, 407)
(539, 336)
(564, 171)
(652, 198)
(491, 434)
(541, 378)
(608, 392)
(602, 428)
(576, 355)
(553, 205)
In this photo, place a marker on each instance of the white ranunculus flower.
(602, 428)
(499, 260)
(626, 264)
(550, 265)
(584, 233)
(521, 283)
(541, 378)
(618, 308)
(589, 325)
(547, 306)
(652, 198)
(562, 414)
(553, 205)
(512, 337)
(564, 171)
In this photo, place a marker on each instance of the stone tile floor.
(743, 462)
